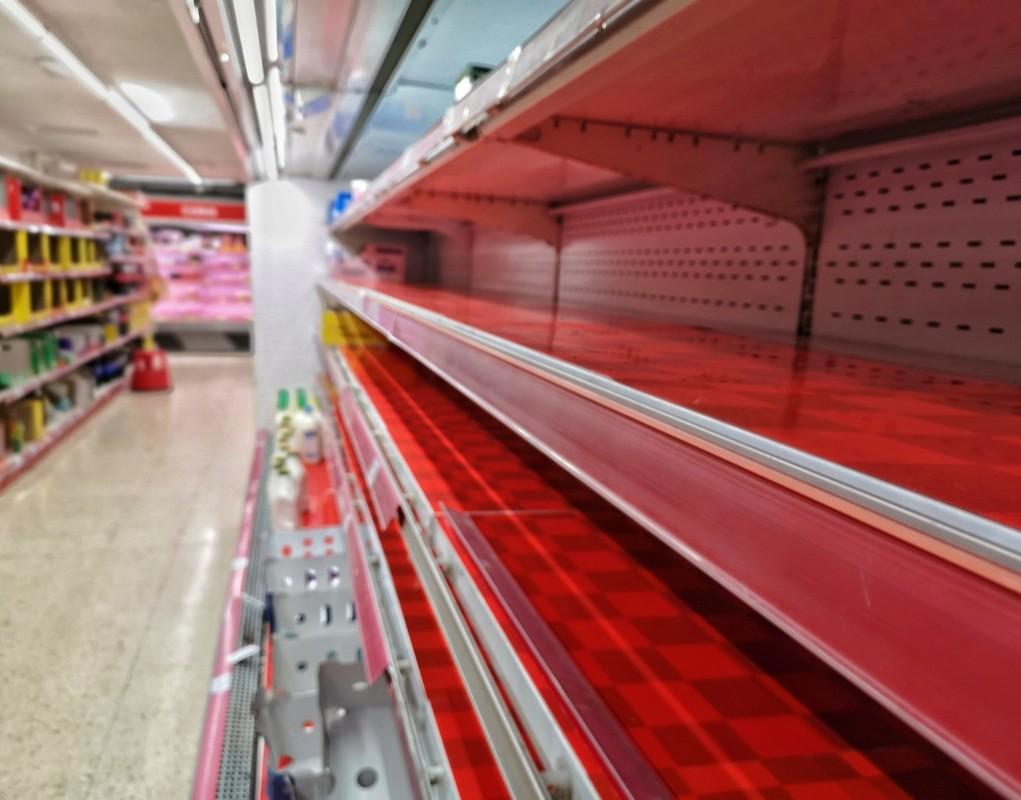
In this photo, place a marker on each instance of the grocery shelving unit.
(67, 258)
(768, 253)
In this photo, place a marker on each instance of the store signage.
(200, 210)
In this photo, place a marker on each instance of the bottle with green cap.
(307, 431)
(283, 412)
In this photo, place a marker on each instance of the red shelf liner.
(945, 435)
(717, 699)
(475, 771)
(322, 505)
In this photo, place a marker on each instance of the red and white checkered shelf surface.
(719, 701)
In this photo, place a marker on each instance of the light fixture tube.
(264, 116)
(248, 33)
(270, 10)
(278, 112)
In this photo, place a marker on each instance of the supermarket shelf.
(387, 634)
(129, 259)
(817, 478)
(21, 390)
(131, 278)
(204, 326)
(592, 97)
(506, 745)
(48, 275)
(16, 465)
(794, 556)
(106, 231)
(51, 230)
(197, 225)
(522, 524)
(210, 753)
(77, 313)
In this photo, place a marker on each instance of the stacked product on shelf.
(205, 274)
(313, 666)
(67, 317)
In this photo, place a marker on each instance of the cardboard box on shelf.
(82, 388)
(15, 361)
(30, 412)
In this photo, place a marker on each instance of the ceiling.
(138, 41)
(334, 75)
(456, 33)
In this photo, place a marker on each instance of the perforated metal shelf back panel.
(923, 251)
(512, 265)
(681, 257)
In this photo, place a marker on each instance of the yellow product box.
(344, 328)
(139, 317)
(31, 413)
(331, 332)
(60, 253)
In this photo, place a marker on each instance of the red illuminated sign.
(201, 210)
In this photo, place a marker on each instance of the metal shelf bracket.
(765, 177)
(525, 217)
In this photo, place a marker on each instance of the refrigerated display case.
(207, 299)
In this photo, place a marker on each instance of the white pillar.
(287, 242)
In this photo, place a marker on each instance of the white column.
(287, 242)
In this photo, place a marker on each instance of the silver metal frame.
(425, 746)
(441, 569)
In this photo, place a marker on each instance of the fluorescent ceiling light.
(193, 10)
(151, 102)
(248, 32)
(278, 111)
(31, 24)
(122, 106)
(264, 115)
(272, 36)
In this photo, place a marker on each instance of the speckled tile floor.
(114, 556)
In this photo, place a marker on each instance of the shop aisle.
(114, 557)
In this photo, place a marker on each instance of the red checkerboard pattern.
(322, 504)
(937, 432)
(475, 771)
(719, 701)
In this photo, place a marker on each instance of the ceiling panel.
(119, 40)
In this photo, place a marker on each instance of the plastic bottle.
(296, 470)
(283, 496)
(308, 431)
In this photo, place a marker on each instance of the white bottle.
(296, 470)
(308, 431)
(282, 491)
